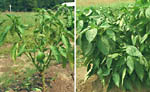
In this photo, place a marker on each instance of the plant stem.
(43, 82)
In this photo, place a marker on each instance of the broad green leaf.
(130, 64)
(103, 45)
(91, 34)
(111, 34)
(109, 62)
(133, 51)
(56, 53)
(116, 79)
(139, 70)
(123, 75)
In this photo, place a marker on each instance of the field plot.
(97, 3)
(113, 52)
(36, 54)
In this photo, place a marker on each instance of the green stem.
(43, 81)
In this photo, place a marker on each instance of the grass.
(81, 4)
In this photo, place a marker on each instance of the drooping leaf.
(86, 46)
(130, 64)
(123, 75)
(109, 62)
(3, 35)
(14, 51)
(139, 70)
(116, 79)
(66, 42)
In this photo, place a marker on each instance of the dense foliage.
(49, 40)
(115, 44)
(29, 5)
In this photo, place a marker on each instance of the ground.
(58, 79)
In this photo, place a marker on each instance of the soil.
(93, 84)
(58, 79)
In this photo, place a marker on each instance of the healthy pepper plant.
(115, 44)
(48, 40)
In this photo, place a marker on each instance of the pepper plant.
(48, 40)
(115, 44)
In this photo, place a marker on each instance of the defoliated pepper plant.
(49, 39)
(115, 44)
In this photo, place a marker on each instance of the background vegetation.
(29, 5)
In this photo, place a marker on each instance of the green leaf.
(116, 79)
(66, 42)
(134, 39)
(91, 34)
(80, 25)
(114, 55)
(87, 12)
(128, 84)
(63, 52)
(133, 51)
(71, 59)
(21, 30)
(111, 34)
(144, 38)
(99, 73)
(106, 72)
(86, 46)
(123, 75)
(139, 70)
(56, 53)
(109, 62)
(130, 64)
(14, 51)
(147, 12)
(103, 45)
(3, 35)
(21, 49)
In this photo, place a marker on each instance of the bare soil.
(58, 79)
